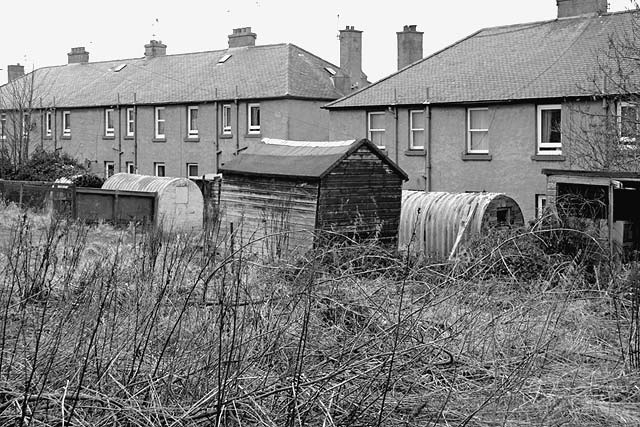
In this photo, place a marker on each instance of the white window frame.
(156, 167)
(251, 127)
(3, 126)
(131, 167)
(370, 130)
(471, 131)
(157, 121)
(413, 128)
(189, 165)
(131, 122)
(226, 119)
(48, 129)
(108, 114)
(106, 169)
(541, 201)
(192, 133)
(66, 123)
(625, 139)
(554, 148)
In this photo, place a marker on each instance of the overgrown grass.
(119, 327)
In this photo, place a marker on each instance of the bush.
(88, 180)
(43, 166)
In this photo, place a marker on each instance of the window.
(160, 120)
(192, 122)
(416, 129)
(549, 129)
(131, 123)
(226, 119)
(26, 124)
(48, 124)
(253, 115)
(66, 123)
(541, 205)
(375, 126)
(109, 169)
(3, 126)
(131, 168)
(478, 130)
(192, 169)
(159, 169)
(628, 122)
(109, 130)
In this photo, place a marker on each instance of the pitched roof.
(550, 59)
(299, 159)
(256, 72)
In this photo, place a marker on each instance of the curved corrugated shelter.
(180, 206)
(437, 223)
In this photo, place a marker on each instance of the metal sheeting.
(436, 223)
(133, 182)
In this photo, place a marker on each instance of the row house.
(177, 115)
(493, 110)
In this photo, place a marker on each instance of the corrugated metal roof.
(145, 183)
(256, 72)
(551, 59)
(297, 158)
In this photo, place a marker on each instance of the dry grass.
(118, 327)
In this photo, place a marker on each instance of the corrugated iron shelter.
(438, 223)
(180, 205)
(279, 193)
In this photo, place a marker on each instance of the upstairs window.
(549, 130)
(48, 124)
(131, 124)
(629, 122)
(478, 130)
(66, 123)
(376, 128)
(416, 130)
(253, 115)
(3, 126)
(226, 119)
(109, 129)
(159, 124)
(192, 122)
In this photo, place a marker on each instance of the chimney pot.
(568, 8)
(154, 49)
(78, 56)
(14, 72)
(409, 45)
(350, 61)
(241, 37)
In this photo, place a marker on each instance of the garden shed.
(438, 223)
(179, 205)
(285, 195)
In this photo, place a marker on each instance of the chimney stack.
(568, 8)
(351, 60)
(78, 56)
(14, 72)
(409, 46)
(242, 37)
(154, 49)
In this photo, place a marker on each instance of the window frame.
(192, 133)
(252, 128)
(226, 119)
(48, 124)
(157, 120)
(66, 123)
(371, 130)
(131, 167)
(625, 139)
(3, 126)
(552, 148)
(108, 163)
(131, 122)
(471, 131)
(189, 165)
(540, 205)
(157, 165)
(108, 115)
(412, 129)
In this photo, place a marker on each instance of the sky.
(40, 33)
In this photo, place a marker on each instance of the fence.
(39, 195)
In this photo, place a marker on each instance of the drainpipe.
(427, 146)
(135, 133)
(217, 134)
(119, 135)
(395, 116)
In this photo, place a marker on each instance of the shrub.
(47, 166)
(88, 180)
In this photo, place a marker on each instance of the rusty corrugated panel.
(434, 223)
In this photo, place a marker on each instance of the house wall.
(512, 166)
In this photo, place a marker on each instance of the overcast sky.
(40, 33)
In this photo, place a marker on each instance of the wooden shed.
(438, 223)
(179, 205)
(285, 195)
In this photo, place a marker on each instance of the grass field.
(106, 327)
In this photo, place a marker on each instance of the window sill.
(159, 140)
(253, 135)
(65, 137)
(130, 137)
(46, 138)
(108, 137)
(548, 158)
(192, 139)
(226, 136)
(476, 157)
(415, 152)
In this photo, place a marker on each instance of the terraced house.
(177, 115)
(489, 112)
